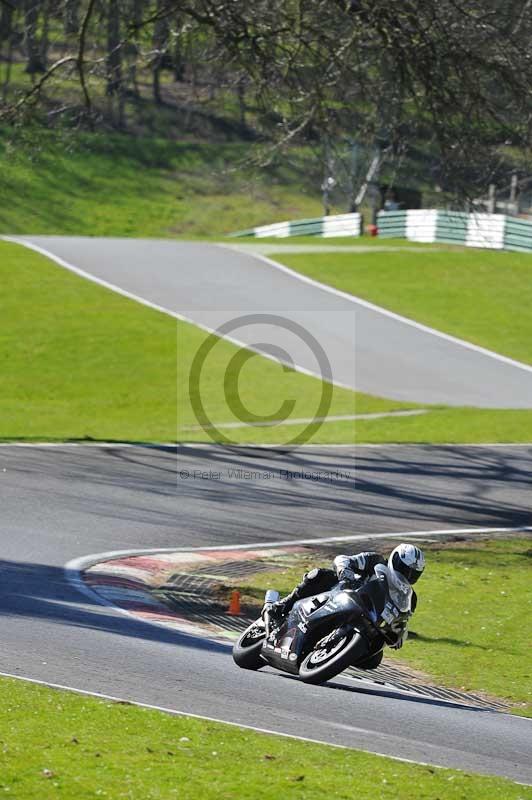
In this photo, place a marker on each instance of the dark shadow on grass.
(447, 640)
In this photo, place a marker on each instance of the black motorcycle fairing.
(348, 625)
(372, 596)
(308, 620)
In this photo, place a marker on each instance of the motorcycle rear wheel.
(331, 656)
(247, 649)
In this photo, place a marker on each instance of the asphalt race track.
(368, 350)
(62, 502)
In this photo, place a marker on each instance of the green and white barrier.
(421, 225)
(337, 225)
(518, 235)
(494, 231)
(486, 230)
(452, 227)
(392, 224)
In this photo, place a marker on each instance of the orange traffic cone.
(234, 605)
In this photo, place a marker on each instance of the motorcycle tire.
(317, 668)
(370, 663)
(247, 650)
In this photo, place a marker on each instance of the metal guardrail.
(494, 231)
(336, 225)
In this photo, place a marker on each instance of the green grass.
(473, 623)
(481, 296)
(344, 241)
(79, 361)
(58, 744)
(127, 186)
(440, 426)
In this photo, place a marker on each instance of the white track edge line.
(176, 712)
(181, 317)
(248, 445)
(386, 312)
(83, 562)
(301, 421)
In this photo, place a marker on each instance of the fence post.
(492, 202)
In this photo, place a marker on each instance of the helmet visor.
(410, 573)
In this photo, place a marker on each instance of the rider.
(405, 559)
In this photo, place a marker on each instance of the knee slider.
(312, 575)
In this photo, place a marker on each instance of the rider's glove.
(397, 626)
(401, 639)
(277, 610)
(346, 574)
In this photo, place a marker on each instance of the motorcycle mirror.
(271, 596)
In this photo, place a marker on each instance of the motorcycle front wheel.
(331, 655)
(247, 650)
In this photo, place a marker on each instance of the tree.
(35, 61)
(161, 37)
(71, 16)
(114, 49)
(451, 76)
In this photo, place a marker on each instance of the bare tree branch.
(36, 89)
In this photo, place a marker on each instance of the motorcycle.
(324, 634)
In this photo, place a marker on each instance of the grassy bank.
(480, 296)
(57, 744)
(81, 362)
(472, 626)
(440, 426)
(127, 186)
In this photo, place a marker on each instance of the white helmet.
(408, 560)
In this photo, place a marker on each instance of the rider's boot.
(280, 610)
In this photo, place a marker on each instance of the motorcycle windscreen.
(398, 587)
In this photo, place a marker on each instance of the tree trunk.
(160, 44)
(45, 38)
(178, 55)
(33, 50)
(7, 74)
(136, 13)
(6, 35)
(71, 17)
(179, 63)
(241, 94)
(114, 55)
(6, 19)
